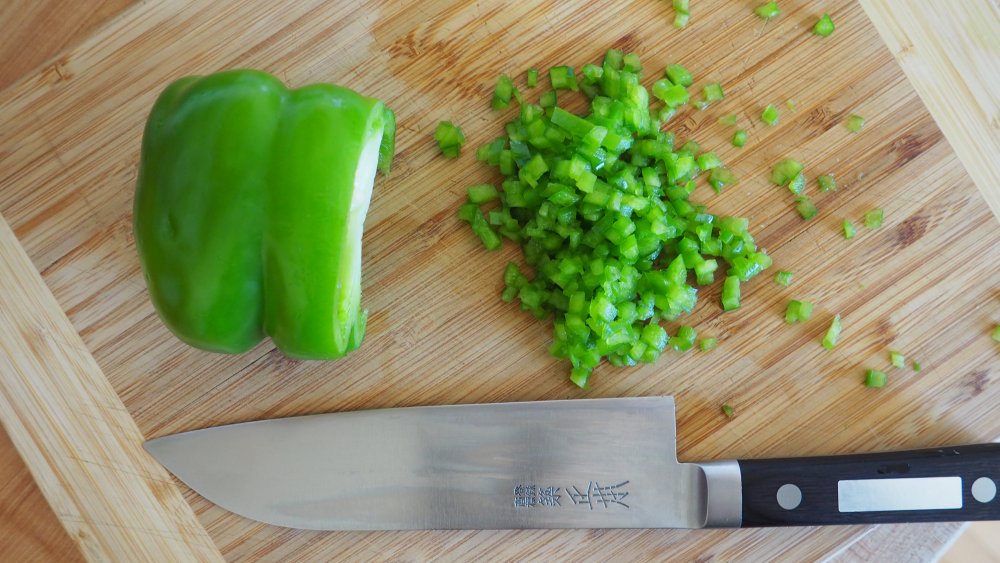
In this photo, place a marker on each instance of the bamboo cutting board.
(924, 284)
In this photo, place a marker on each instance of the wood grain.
(36, 30)
(902, 543)
(82, 446)
(65, 185)
(977, 543)
(30, 529)
(951, 51)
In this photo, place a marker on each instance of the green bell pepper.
(249, 211)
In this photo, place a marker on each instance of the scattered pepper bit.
(827, 183)
(740, 138)
(824, 27)
(832, 334)
(995, 335)
(768, 10)
(805, 207)
(770, 115)
(916, 366)
(855, 123)
(532, 77)
(502, 93)
(896, 359)
(713, 92)
(849, 230)
(682, 13)
(449, 138)
(785, 171)
(873, 219)
(798, 311)
(876, 379)
(783, 278)
(728, 119)
(727, 410)
(707, 344)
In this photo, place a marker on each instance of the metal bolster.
(724, 495)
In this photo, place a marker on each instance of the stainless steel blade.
(601, 463)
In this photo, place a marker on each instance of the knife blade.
(595, 463)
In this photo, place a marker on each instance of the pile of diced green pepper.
(600, 205)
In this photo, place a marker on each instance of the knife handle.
(934, 485)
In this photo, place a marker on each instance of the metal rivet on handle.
(789, 496)
(983, 489)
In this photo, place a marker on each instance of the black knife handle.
(959, 483)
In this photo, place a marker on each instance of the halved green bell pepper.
(249, 211)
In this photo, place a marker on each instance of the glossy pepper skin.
(249, 211)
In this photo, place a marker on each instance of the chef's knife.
(600, 463)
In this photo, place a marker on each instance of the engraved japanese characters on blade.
(593, 495)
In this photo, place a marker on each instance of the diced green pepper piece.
(713, 92)
(798, 311)
(824, 27)
(770, 115)
(731, 293)
(875, 379)
(805, 206)
(562, 78)
(576, 126)
(790, 104)
(467, 211)
(707, 344)
(673, 95)
(798, 184)
(681, 20)
(708, 161)
(855, 123)
(482, 193)
(684, 339)
(480, 226)
(995, 335)
(721, 177)
(873, 219)
(614, 59)
(849, 230)
(579, 376)
(768, 10)
(728, 119)
(783, 278)
(449, 138)
(503, 92)
(785, 171)
(631, 63)
(727, 410)
(740, 138)
(827, 183)
(654, 336)
(916, 366)
(832, 334)
(679, 75)
(548, 99)
(896, 359)
(592, 73)
(532, 77)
